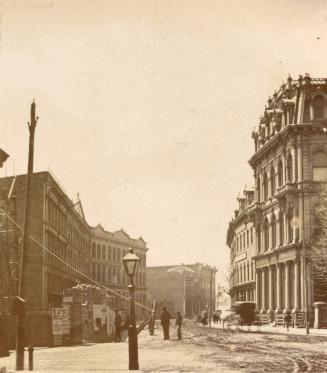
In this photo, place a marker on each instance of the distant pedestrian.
(118, 327)
(287, 320)
(179, 320)
(165, 322)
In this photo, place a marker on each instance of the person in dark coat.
(118, 322)
(287, 320)
(165, 322)
(179, 320)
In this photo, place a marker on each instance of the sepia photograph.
(163, 186)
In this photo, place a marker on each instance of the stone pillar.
(296, 286)
(271, 287)
(263, 291)
(302, 292)
(309, 285)
(257, 289)
(287, 286)
(278, 285)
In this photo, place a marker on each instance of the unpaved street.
(202, 349)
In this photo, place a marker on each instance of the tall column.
(271, 288)
(296, 285)
(263, 290)
(257, 289)
(278, 284)
(309, 286)
(287, 286)
(302, 302)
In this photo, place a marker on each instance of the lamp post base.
(133, 348)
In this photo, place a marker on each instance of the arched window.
(259, 238)
(266, 234)
(319, 166)
(280, 173)
(273, 181)
(258, 190)
(281, 228)
(273, 230)
(290, 226)
(265, 186)
(289, 169)
(318, 107)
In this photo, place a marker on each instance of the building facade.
(56, 223)
(189, 289)
(241, 241)
(289, 164)
(108, 250)
(58, 249)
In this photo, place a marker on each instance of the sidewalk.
(271, 329)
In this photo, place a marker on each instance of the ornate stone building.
(108, 250)
(241, 241)
(289, 162)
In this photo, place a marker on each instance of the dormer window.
(318, 107)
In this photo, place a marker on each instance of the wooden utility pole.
(20, 300)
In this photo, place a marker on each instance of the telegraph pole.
(20, 305)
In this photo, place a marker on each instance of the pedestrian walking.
(165, 322)
(179, 320)
(118, 322)
(287, 320)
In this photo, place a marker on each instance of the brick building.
(108, 250)
(241, 239)
(58, 224)
(187, 291)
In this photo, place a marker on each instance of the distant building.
(187, 291)
(108, 250)
(241, 241)
(58, 224)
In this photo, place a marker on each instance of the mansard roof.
(289, 106)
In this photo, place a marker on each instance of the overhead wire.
(69, 265)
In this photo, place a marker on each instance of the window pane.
(320, 173)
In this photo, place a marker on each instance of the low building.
(108, 250)
(189, 289)
(241, 241)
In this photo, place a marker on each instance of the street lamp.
(130, 261)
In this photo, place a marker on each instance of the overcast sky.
(146, 107)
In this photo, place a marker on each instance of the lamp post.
(130, 261)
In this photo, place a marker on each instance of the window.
(290, 226)
(318, 107)
(281, 228)
(289, 168)
(247, 237)
(266, 234)
(99, 251)
(273, 231)
(103, 252)
(259, 238)
(265, 186)
(319, 166)
(272, 180)
(280, 173)
(258, 190)
(94, 250)
(251, 235)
